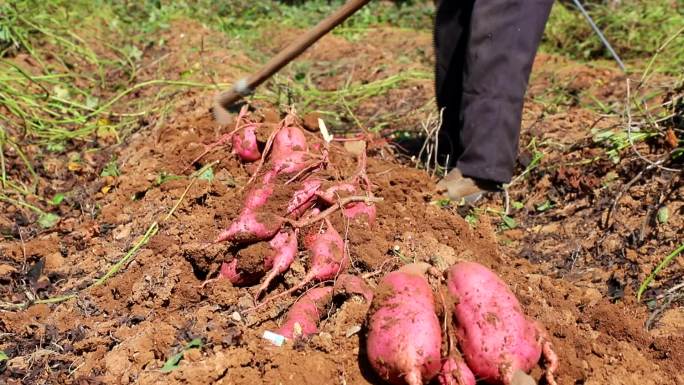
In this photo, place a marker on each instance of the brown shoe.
(459, 187)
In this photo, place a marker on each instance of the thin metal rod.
(601, 36)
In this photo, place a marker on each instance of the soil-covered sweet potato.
(302, 319)
(499, 342)
(245, 144)
(404, 336)
(455, 372)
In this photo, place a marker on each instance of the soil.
(577, 278)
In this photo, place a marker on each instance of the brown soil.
(123, 331)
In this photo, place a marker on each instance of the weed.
(663, 264)
(635, 28)
(67, 74)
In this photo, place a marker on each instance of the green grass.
(635, 29)
(340, 103)
(663, 264)
(68, 99)
(67, 71)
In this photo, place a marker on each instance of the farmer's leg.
(502, 41)
(452, 22)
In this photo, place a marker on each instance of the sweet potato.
(288, 140)
(284, 246)
(258, 196)
(245, 144)
(499, 342)
(303, 198)
(352, 284)
(291, 163)
(230, 272)
(333, 193)
(302, 319)
(360, 209)
(250, 263)
(328, 259)
(455, 372)
(404, 337)
(251, 226)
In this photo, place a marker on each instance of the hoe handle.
(290, 52)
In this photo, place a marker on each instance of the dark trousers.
(484, 55)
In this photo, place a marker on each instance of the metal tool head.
(225, 103)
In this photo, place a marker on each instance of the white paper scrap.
(275, 339)
(324, 131)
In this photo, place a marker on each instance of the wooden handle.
(293, 50)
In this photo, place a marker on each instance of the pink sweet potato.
(291, 163)
(455, 372)
(353, 284)
(284, 246)
(258, 196)
(229, 271)
(250, 263)
(288, 140)
(499, 342)
(233, 272)
(361, 209)
(328, 259)
(251, 226)
(302, 319)
(245, 143)
(303, 198)
(404, 337)
(333, 193)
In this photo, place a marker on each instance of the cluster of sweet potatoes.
(287, 203)
(499, 344)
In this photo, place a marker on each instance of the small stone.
(352, 330)
(245, 302)
(192, 355)
(296, 330)
(121, 232)
(235, 316)
(324, 342)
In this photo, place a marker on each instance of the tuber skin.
(289, 152)
(404, 336)
(245, 144)
(332, 194)
(303, 198)
(500, 344)
(258, 196)
(229, 271)
(284, 245)
(251, 226)
(455, 372)
(288, 140)
(360, 209)
(302, 319)
(307, 310)
(353, 284)
(328, 259)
